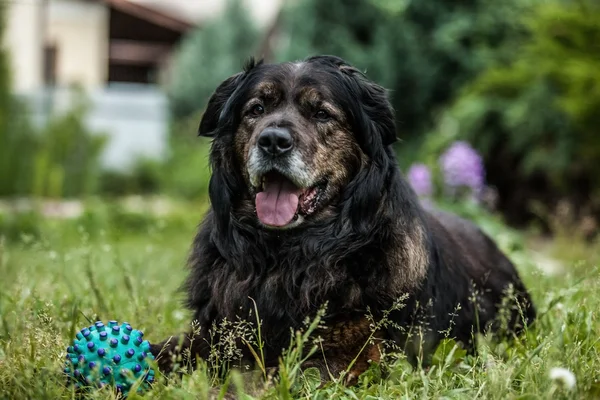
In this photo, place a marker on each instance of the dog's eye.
(257, 110)
(322, 115)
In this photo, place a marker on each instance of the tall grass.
(74, 272)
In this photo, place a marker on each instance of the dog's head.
(293, 141)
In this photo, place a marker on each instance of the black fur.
(346, 257)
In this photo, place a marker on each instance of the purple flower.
(419, 177)
(462, 167)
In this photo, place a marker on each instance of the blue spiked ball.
(110, 354)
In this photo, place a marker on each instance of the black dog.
(309, 206)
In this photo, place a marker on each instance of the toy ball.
(110, 354)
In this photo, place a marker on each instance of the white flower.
(563, 377)
(178, 315)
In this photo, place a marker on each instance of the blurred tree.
(15, 132)
(4, 76)
(67, 157)
(4, 72)
(536, 118)
(422, 50)
(208, 55)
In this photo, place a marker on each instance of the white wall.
(135, 119)
(80, 32)
(23, 40)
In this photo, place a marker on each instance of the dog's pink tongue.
(277, 204)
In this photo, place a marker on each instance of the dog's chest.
(310, 287)
(288, 284)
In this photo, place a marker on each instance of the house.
(118, 51)
(89, 42)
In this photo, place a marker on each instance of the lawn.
(57, 276)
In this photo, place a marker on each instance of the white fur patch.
(293, 167)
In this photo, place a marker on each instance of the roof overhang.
(149, 14)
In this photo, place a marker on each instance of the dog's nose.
(275, 141)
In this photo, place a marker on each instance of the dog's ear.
(377, 119)
(223, 190)
(218, 103)
(376, 116)
(375, 130)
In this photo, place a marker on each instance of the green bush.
(184, 173)
(67, 158)
(18, 144)
(187, 171)
(62, 159)
(145, 177)
(211, 53)
(536, 118)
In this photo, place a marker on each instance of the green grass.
(63, 275)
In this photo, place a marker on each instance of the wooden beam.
(134, 52)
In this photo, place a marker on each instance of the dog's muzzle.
(283, 185)
(275, 151)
